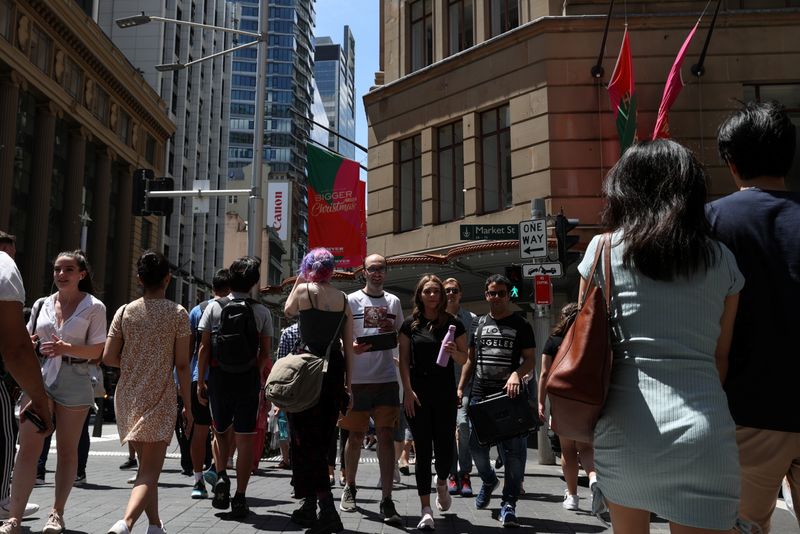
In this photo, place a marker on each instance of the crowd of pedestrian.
(697, 426)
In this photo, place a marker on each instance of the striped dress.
(666, 441)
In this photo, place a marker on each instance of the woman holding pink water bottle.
(429, 342)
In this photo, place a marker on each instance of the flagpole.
(597, 70)
(698, 69)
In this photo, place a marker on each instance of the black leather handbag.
(499, 417)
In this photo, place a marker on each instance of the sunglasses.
(374, 270)
(499, 294)
(452, 290)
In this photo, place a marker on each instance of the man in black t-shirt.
(760, 223)
(502, 351)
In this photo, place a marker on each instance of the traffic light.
(514, 274)
(144, 180)
(566, 241)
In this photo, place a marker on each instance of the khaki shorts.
(379, 401)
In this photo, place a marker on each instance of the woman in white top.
(69, 331)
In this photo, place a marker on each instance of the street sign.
(493, 232)
(543, 289)
(533, 238)
(552, 269)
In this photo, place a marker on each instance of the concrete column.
(123, 240)
(98, 231)
(73, 189)
(33, 264)
(440, 29)
(9, 103)
(482, 30)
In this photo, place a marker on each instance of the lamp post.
(255, 217)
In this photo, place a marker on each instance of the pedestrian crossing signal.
(517, 291)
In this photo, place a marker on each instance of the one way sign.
(533, 238)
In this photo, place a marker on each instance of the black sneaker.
(306, 515)
(239, 508)
(328, 521)
(130, 463)
(389, 512)
(222, 494)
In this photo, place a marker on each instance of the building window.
(450, 172)
(73, 78)
(504, 16)
(6, 19)
(40, 49)
(410, 183)
(788, 95)
(496, 159)
(150, 150)
(460, 25)
(124, 127)
(101, 105)
(421, 18)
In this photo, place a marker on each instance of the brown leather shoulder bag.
(577, 384)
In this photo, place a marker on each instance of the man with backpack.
(221, 286)
(235, 346)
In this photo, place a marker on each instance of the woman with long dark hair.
(148, 340)
(665, 441)
(429, 397)
(570, 449)
(69, 330)
(325, 325)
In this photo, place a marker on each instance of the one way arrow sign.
(533, 238)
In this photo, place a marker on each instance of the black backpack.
(236, 341)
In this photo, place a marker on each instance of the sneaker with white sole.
(5, 508)
(156, 529)
(55, 524)
(443, 498)
(570, 501)
(348, 503)
(120, 527)
(426, 521)
(508, 516)
(11, 527)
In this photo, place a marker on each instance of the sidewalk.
(94, 507)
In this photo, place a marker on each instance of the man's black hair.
(759, 140)
(499, 279)
(221, 281)
(245, 273)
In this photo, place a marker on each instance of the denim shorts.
(73, 386)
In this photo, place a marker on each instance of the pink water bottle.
(444, 356)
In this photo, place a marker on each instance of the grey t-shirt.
(213, 314)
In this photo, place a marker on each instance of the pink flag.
(672, 89)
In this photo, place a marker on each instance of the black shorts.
(233, 399)
(201, 414)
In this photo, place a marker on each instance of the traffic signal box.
(566, 241)
(144, 180)
(518, 291)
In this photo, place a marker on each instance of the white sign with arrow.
(533, 238)
(532, 269)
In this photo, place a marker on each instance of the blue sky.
(362, 17)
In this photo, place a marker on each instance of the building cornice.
(575, 23)
(106, 62)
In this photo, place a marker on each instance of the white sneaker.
(5, 508)
(443, 498)
(426, 522)
(570, 501)
(155, 529)
(120, 527)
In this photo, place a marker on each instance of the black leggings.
(434, 430)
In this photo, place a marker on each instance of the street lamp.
(255, 219)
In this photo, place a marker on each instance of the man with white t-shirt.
(21, 363)
(376, 392)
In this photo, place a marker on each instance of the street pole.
(255, 219)
(541, 331)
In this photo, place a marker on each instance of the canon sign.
(277, 208)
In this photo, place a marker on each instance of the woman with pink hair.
(326, 327)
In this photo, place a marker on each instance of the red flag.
(671, 89)
(336, 207)
(623, 98)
